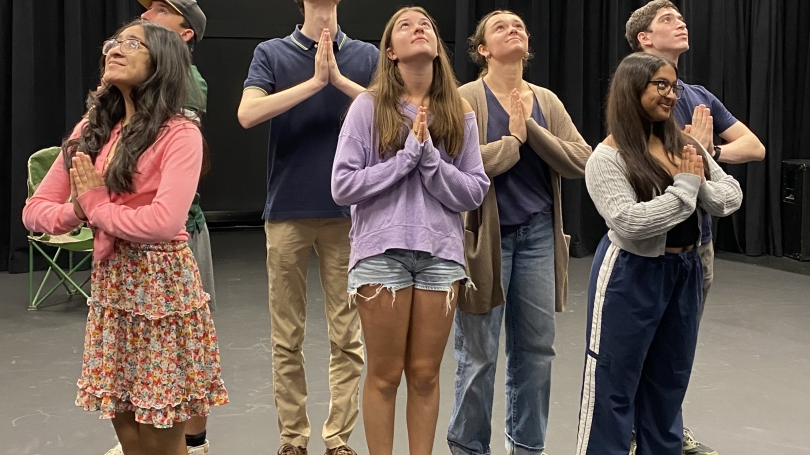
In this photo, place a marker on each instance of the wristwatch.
(717, 151)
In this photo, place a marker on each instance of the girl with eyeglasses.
(651, 183)
(130, 171)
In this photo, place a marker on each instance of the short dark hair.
(641, 19)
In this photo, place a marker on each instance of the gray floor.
(749, 391)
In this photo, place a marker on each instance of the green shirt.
(197, 102)
(197, 92)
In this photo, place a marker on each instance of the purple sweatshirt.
(411, 199)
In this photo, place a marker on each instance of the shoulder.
(181, 126)
(272, 47)
(361, 46)
(470, 87)
(606, 152)
(545, 95)
(700, 93)
(466, 106)
(77, 130)
(364, 99)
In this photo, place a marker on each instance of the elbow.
(246, 120)
(340, 194)
(759, 152)
(168, 233)
(629, 232)
(479, 196)
(27, 219)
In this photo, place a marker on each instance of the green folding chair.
(80, 240)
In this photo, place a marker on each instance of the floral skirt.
(150, 346)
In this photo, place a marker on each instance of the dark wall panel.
(236, 182)
(361, 19)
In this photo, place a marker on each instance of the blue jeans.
(528, 279)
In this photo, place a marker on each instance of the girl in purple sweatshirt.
(408, 163)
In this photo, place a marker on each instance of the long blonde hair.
(447, 124)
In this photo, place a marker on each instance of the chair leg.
(70, 289)
(65, 278)
(36, 301)
(31, 305)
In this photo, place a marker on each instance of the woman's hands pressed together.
(420, 129)
(83, 178)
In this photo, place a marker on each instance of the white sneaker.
(199, 450)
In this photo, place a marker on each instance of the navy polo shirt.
(303, 140)
(693, 96)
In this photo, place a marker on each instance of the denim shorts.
(398, 269)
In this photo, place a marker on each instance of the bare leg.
(430, 326)
(196, 425)
(128, 432)
(139, 439)
(385, 327)
(164, 441)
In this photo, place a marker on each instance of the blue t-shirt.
(693, 96)
(303, 140)
(523, 191)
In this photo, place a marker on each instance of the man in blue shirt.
(658, 28)
(303, 83)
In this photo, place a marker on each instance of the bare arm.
(742, 145)
(258, 106)
(341, 82)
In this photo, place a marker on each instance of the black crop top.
(685, 233)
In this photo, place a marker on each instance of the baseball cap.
(190, 10)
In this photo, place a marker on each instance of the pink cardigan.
(165, 184)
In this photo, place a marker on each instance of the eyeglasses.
(664, 87)
(127, 46)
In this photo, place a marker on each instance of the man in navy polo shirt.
(303, 83)
(658, 28)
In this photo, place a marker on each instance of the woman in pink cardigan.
(130, 171)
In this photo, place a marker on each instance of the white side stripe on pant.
(589, 381)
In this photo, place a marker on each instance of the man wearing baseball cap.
(187, 19)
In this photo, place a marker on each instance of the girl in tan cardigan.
(516, 251)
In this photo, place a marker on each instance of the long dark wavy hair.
(157, 100)
(631, 127)
(446, 108)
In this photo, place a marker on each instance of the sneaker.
(692, 447)
(289, 449)
(341, 450)
(199, 450)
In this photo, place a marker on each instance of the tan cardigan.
(563, 149)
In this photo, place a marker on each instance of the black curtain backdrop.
(49, 58)
(753, 54)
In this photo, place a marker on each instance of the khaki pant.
(289, 244)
